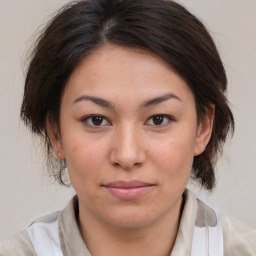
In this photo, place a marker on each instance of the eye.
(95, 121)
(159, 120)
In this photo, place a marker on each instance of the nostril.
(127, 152)
(127, 166)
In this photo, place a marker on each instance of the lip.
(128, 190)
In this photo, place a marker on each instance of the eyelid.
(169, 117)
(86, 118)
(106, 122)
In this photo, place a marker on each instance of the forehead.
(121, 71)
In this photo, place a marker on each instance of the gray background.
(25, 190)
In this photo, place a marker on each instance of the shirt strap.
(207, 236)
(44, 236)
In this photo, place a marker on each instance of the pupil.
(158, 120)
(97, 120)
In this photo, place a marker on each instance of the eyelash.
(167, 118)
(88, 120)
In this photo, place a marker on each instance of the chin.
(131, 218)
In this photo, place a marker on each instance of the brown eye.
(95, 121)
(160, 120)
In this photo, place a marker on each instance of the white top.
(207, 236)
(238, 239)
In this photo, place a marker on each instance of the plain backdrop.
(25, 190)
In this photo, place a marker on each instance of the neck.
(156, 238)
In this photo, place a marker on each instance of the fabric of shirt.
(238, 239)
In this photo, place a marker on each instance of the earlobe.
(204, 131)
(55, 139)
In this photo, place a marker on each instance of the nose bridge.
(128, 149)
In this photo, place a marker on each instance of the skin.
(126, 144)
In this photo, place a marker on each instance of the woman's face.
(128, 131)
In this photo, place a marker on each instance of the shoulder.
(19, 244)
(238, 238)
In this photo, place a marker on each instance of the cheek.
(84, 161)
(175, 155)
(84, 158)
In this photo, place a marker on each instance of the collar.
(73, 244)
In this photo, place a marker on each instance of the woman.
(129, 96)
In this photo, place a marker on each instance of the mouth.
(130, 190)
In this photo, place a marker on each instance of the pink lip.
(130, 190)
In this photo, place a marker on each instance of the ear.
(204, 131)
(55, 139)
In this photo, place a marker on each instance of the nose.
(128, 148)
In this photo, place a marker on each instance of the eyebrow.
(160, 99)
(96, 100)
(109, 104)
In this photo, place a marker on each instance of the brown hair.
(160, 26)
